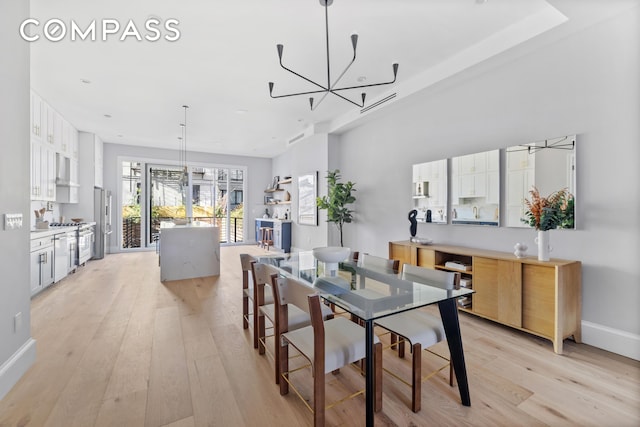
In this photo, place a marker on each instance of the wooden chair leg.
(377, 361)
(318, 396)
(255, 323)
(283, 367)
(401, 348)
(276, 359)
(416, 379)
(245, 312)
(261, 334)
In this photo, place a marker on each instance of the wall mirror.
(307, 193)
(548, 165)
(475, 189)
(430, 191)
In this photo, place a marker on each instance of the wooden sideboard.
(542, 298)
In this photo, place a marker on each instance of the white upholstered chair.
(249, 297)
(263, 275)
(422, 330)
(327, 345)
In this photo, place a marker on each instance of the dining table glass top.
(368, 293)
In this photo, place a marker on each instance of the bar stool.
(266, 237)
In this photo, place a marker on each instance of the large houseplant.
(339, 195)
(548, 213)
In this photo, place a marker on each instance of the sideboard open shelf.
(541, 298)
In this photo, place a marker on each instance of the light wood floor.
(116, 347)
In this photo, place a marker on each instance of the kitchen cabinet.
(520, 179)
(36, 117)
(69, 143)
(472, 185)
(43, 171)
(281, 232)
(541, 298)
(42, 263)
(54, 127)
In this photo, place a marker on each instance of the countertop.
(273, 219)
(51, 231)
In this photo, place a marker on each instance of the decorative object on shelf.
(331, 256)
(307, 192)
(287, 196)
(266, 213)
(330, 87)
(543, 245)
(520, 250)
(274, 184)
(414, 224)
(336, 201)
(547, 213)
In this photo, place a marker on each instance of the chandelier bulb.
(280, 49)
(395, 70)
(271, 88)
(311, 102)
(364, 95)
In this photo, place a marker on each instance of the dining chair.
(263, 276)
(249, 300)
(328, 345)
(422, 330)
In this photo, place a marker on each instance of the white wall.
(583, 83)
(17, 349)
(259, 173)
(306, 156)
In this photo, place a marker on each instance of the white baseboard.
(613, 340)
(15, 367)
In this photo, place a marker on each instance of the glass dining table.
(373, 293)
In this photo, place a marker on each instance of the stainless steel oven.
(85, 243)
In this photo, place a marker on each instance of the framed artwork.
(307, 193)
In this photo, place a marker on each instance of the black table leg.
(370, 375)
(449, 314)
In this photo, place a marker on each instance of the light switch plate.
(12, 221)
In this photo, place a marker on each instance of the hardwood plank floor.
(116, 347)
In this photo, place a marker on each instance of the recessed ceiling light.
(362, 79)
(120, 135)
(108, 116)
(241, 111)
(85, 81)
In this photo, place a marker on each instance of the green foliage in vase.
(339, 195)
(548, 213)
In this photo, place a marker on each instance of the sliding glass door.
(163, 193)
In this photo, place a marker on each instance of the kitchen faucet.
(475, 212)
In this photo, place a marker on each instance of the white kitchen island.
(189, 250)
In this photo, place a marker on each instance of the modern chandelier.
(329, 88)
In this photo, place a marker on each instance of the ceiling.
(226, 54)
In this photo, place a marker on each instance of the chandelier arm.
(346, 99)
(336, 82)
(299, 93)
(302, 77)
(361, 86)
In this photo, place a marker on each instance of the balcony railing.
(131, 229)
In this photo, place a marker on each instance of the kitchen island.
(189, 250)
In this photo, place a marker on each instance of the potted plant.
(339, 195)
(548, 213)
